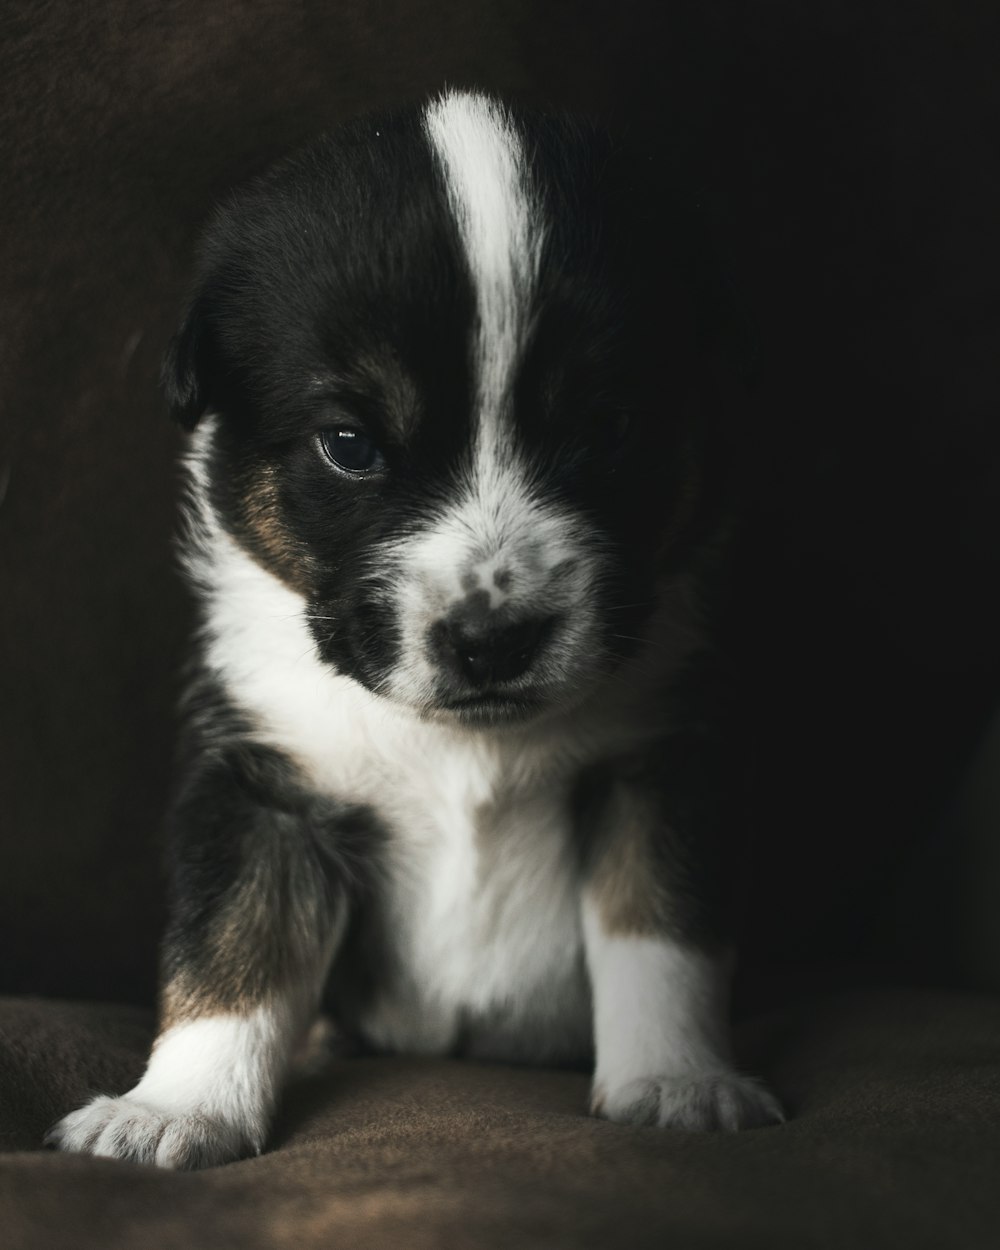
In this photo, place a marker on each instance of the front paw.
(129, 1128)
(696, 1102)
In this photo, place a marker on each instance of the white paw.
(700, 1101)
(127, 1128)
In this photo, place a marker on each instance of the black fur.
(243, 822)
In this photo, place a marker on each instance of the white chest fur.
(481, 912)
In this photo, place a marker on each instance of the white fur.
(481, 901)
(661, 1034)
(490, 194)
(673, 998)
(206, 1096)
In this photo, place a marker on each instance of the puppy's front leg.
(660, 975)
(260, 899)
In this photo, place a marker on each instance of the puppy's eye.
(351, 450)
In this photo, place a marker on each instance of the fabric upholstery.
(893, 1140)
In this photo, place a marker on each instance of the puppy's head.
(448, 387)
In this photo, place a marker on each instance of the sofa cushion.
(892, 1140)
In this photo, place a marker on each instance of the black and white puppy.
(455, 768)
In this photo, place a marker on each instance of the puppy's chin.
(509, 709)
(492, 711)
(495, 710)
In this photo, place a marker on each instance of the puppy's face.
(447, 411)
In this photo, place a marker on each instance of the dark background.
(848, 157)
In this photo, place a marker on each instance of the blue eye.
(351, 450)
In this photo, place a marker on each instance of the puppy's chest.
(472, 937)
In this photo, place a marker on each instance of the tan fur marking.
(624, 878)
(270, 539)
(267, 937)
(180, 1002)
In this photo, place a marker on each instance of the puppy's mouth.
(493, 707)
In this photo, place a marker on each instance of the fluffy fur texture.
(455, 764)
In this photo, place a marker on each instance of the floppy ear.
(186, 371)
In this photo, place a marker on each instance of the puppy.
(455, 767)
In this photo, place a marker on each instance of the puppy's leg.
(660, 973)
(260, 881)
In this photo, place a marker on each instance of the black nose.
(485, 654)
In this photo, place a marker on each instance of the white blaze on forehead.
(490, 194)
(495, 523)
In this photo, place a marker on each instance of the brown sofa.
(847, 156)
